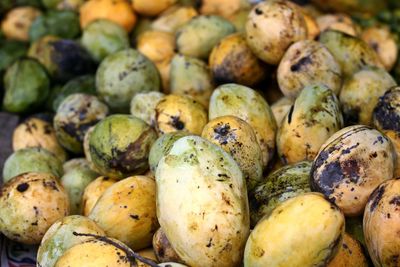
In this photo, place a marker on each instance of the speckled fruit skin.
(191, 77)
(180, 113)
(350, 254)
(381, 224)
(286, 182)
(97, 251)
(26, 86)
(202, 185)
(119, 146)
(122, 75)
(232, 61)
(386, 118)
(360, 94)
(75, 182)
(198, 36)
(163, 249)
(16, 23)
(143, 106)
(75, 115)
(313, 118)
(127, 211)
(351, 53)
(60, 237)
(350, 165)
(35, 132)
(103, 37)
(283, 239)
(237, 138)
(248, 105)
(308, 62)
(162, 146)
(29, 205)
(33, 159)
(93, 192)
(272, 26)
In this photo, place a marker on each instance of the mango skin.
(284, 183)
(75, 182)
(350, 165)
(33, 159)
(313, 118)
(191, 77)
(123, 150)
(151, 8)
(197, 173)
(270, 43)
(98, 251)
(163, 249)
(26, 86)
(93, 192)
(173, 18)
(180, 113)
(35, 132)
(350, 254)
(59, 238)
(385, 118)
(237, 138)
(308, 63)
(360, 94)
(122, 75)
(381, 224)
(351, 53)
(143, 106)
(75, 115)
(162, 146)
(103, 37)
(280, 108)
(197, 37)
(279, 238)
(16, 23)
(127, 211)
(232, 61)
(248, 105)
(30, 204)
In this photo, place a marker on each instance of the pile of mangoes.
(203, 133)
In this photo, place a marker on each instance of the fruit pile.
(202, 133)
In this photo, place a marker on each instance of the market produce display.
(213, 133)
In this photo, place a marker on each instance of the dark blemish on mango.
(209, 243)
(177, 123)
(134, 216)
(22, 187)
(395, 201)
(51, 184)
(300, 64)
(331, 175)
(258, 11)
(375, 197)
(290, 114)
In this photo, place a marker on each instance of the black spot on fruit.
(331, 175)
(177, 123)
(258, 11)
(300, 64)
(222, 133)
(290, 114)
(51, 184)
(22, 187)
(385, 112)
(376, 196)
(351, 169)
(395, 201)
(134, 216)
(351, 115)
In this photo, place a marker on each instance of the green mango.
(26, 86)
(64, 24)
(10, 51)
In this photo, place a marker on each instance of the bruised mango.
(232, 61)
(350, 165)
(29, 204)
(308, 63)
(246, 104)
(313, 118)
(381, 224)
(236, 137)
(180, 113)
(119, 146)
(272, 27)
